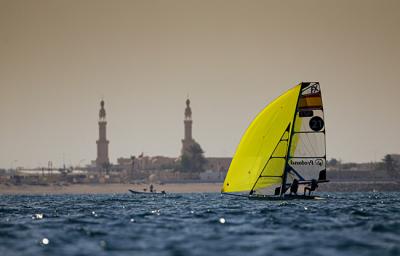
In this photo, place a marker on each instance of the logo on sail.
(308, 162)
(319, 162)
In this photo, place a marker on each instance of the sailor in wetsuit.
(294, 187)
(313, 186)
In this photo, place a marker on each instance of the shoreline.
(191, 187)
(114, 188)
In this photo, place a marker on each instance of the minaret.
(102, 142)
(188, 121)
(187, 140)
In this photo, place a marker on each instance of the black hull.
(283, 198)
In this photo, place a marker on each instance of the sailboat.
(282, 154)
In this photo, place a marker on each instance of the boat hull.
(146, 193)
(283, 198)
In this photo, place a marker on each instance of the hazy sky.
(58, 58)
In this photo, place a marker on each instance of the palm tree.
(391, 166)
(389, 163)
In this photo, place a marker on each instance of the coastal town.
(190, 167)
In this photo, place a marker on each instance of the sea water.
(199, 224)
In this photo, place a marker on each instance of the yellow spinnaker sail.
(258, 144)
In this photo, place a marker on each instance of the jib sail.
(260, 158)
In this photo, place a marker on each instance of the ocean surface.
(199, 224)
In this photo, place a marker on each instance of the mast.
(283, 186)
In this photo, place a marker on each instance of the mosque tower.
(188, 139)
(102, 143)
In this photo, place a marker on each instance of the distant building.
(218, 164)
(211, 176)
(102, 143)
(143, 162)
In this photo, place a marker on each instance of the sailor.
(151, 188)
(313, 186)
(294, 187)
